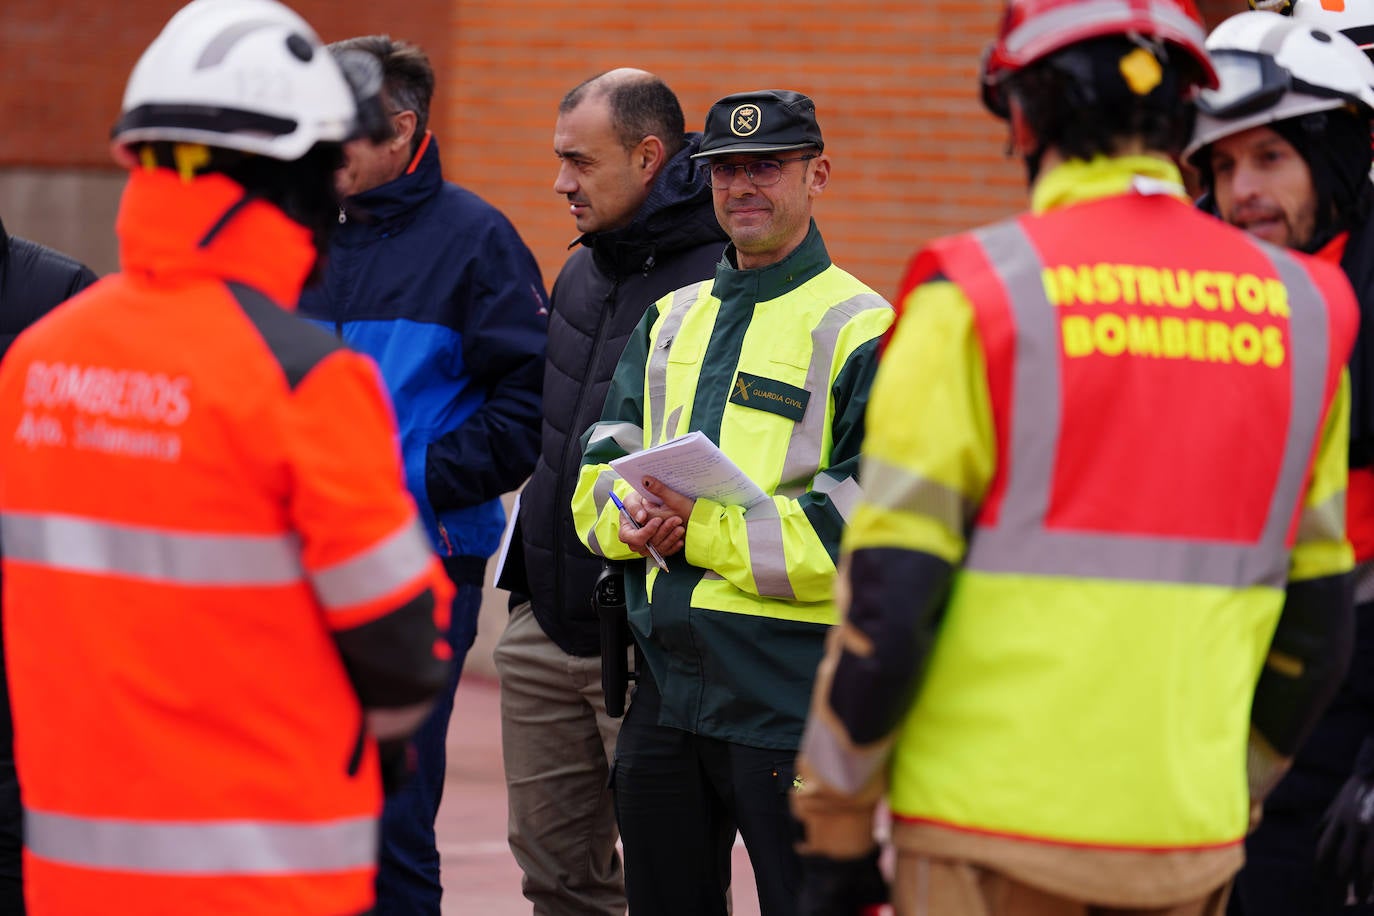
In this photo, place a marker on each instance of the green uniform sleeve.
(620, 431)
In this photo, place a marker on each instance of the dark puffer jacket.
(600, 295)
(33, 279)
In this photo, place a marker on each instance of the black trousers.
(679, 799)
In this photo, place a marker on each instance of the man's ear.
(649, 157)
(405, 123)
(820, 174)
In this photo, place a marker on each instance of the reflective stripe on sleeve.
(888, 486)
(601, 494)
(1325, 522)
(767, 560)
(204, 849)
(628, 436)
(400, 558)
(844, 493)
(1020, 542)
(92, 547)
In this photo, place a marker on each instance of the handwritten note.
(694, 466)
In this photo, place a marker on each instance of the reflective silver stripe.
(400, 558)
(844, 492)
(767, 560)
(888, 486)
(206, 849)
(1325, 522)
(601, 495)
(83, 545)
(656, 373)
(385, 724)
(1364, 582)
(1020, 543)
(808, 434)
(1073, 14)
(628, 436)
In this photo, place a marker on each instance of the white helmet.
(247, 75)
(1353, 18)
(1273, 68)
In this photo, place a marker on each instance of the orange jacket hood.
(168, 227)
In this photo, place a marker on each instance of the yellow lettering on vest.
(1075, 285)
(1108, 289)
(1051, 287)
(1142, 336)
(1109, 333)
(1150, 293)
(1245, 343)
(1206, 298)
(1226, 285)
(1218, 342)
(1273, 346)
(1175, 337)
(1178, 287)
(1277, 294)
(1078, 335)
(1125, 273)
(1197, 340)
(1250, 292)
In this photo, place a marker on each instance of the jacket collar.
(762, 284)
(168, 228)
(396, 200)
(677, 214)
(1078, 181)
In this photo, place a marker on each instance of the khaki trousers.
(558, 743)
(936, 887)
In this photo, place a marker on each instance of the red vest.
(1209, 309)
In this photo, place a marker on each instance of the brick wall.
(915, 156)
(894, 84)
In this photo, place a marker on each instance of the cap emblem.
(745, 120)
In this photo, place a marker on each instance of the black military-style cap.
(763, 121)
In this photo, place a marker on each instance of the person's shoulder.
(44, 272)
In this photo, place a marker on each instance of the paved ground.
(480, 877)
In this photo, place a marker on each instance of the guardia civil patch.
(769, 394)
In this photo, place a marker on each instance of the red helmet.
(1034, 29)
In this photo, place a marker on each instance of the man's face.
(368, 165)
(1263, 185)
(767, 223)
(605, 183)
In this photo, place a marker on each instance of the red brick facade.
(915, 156)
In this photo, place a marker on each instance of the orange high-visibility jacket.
(215, 588)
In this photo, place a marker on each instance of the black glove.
(397, 760)
(1346, 845)
(841, 887)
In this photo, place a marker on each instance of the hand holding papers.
(693, 466)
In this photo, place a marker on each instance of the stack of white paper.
(694, 466)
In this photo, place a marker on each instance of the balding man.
(647, 227)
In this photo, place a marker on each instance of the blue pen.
(658, 558)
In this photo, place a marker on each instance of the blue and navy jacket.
(436, 285)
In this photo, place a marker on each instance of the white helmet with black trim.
(1352, 18)
(1273, 68)
(247, 75)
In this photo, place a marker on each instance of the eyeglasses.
(761, 172)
